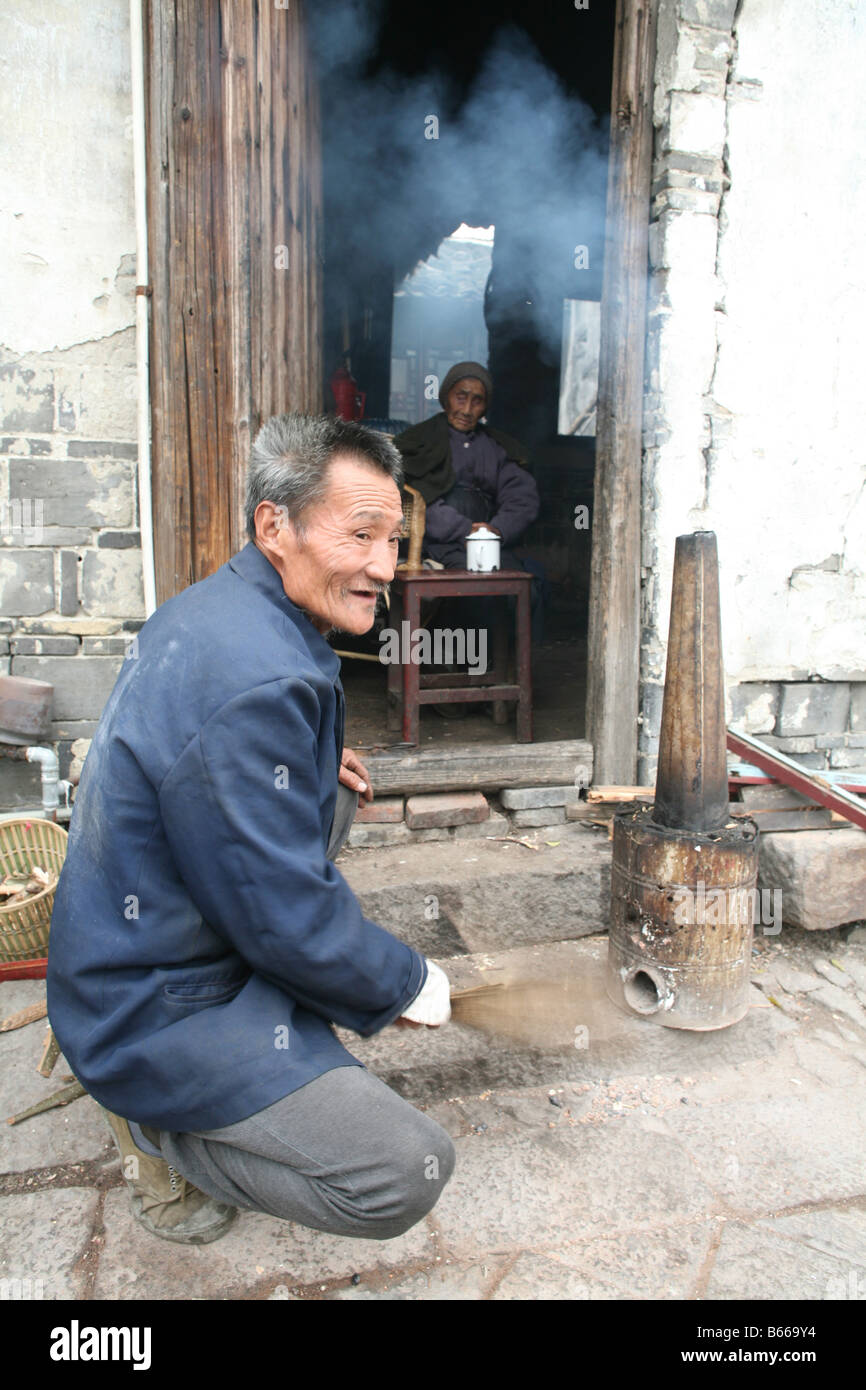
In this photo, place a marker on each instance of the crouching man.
(203, 944)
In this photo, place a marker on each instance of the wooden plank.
(805, 817)
(50, 1053)
(614, 608)
(620, 793)
(812, 784)
(772, 797)
(233, 175)
(30, 1014)
(480, 767)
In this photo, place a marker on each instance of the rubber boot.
(163, 1201)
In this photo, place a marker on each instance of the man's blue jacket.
(202, 944)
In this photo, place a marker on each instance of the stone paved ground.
(647, 1164)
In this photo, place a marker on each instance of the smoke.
(408, 158)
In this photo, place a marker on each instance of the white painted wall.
(65, 171)
(757, 336)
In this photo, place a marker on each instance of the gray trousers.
(343, 1154)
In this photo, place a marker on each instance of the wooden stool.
(409, 687)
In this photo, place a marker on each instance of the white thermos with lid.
(482, 550)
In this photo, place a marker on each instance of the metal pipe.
(692, 781)
(47, 758)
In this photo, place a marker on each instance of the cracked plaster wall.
(754, 419)
(70, 557)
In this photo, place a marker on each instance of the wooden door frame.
(234, 227)
(613, 656)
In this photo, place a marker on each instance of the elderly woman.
(468, 474)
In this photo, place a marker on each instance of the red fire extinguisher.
(350, 401)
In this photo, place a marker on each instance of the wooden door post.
(614, 603)
(234, 222)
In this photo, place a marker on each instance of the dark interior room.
(474, 117)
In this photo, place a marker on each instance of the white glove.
(433, 1004)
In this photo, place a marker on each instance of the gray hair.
(291, 455)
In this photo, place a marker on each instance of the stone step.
(462, 896)
(819, 875)
(582, 1041)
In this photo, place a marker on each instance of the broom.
(541, 1012)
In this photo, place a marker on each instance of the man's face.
(348, 552)
(465, 403)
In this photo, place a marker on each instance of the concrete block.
(486, 894)
(26, 398)
(686, 200)
(446, 808)
(76, 492)
(26, 582)
(710, 14)
(369, 836)
(531, 798)
(105, 646)
(70, 729)
(387, 810)
(82, 684)
(495, 824)
(814, 760)
(847, 757)
(829, 740)
(697, 124)
(544, 815)
(813, 708)
(805, 743)
(821, 875)
(68, 583)
(857, 740)
(753, 707)
(713, 60)
(111, 583)
(45, 646)
(858, 707)
(101, 448)
(50, 626)
(119, 540)
(74, 536)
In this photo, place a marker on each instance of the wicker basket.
(23, 845)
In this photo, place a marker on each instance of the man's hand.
(354, 775)
(484, 526)
(432, 1006)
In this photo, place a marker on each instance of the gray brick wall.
(70, 548)
(822, 724)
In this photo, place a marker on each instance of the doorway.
(483, 119)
